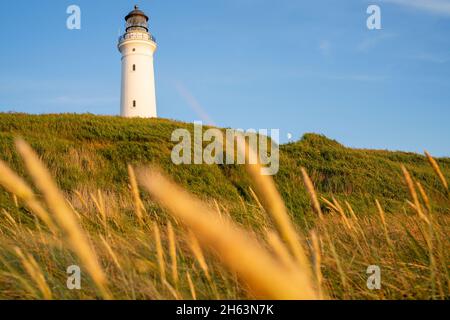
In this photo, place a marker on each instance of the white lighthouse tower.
(137, 47)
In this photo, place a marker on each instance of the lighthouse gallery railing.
(137, 36)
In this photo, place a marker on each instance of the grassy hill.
(86, 151)
(134, 246)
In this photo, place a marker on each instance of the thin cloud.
(432, 58)
(372, 41)
(441, 7)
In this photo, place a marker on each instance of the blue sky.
(300, 66)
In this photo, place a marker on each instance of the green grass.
(87, 151)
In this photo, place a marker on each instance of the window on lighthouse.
(134, 67)
(134, 103)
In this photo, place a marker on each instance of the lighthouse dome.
(136, 20)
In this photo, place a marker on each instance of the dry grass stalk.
(279, 249)
(10, 219)
(271, 201)
(160, 253)
(191, 286)
(357, 226)
(316, 207)
(111, 253)
(100, 205)
(344, 218)
(173, 252)
(81, 198)
(312, 193)
(138, 205)
(16, 185)
(434, 230)
(35, 273)
(172, 290)
(16, 202)
(198, 254)
(352, 212)
(255, 197)
(237, 249)
(424, 197)
(429, 234)
(413, 193)
(437, 169)
(383, 221)
(330, 205)
(102, 209)
(317, 255)
(63, 215)
(273, 204)
(216, 204)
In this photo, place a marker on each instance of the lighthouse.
(137, 46)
